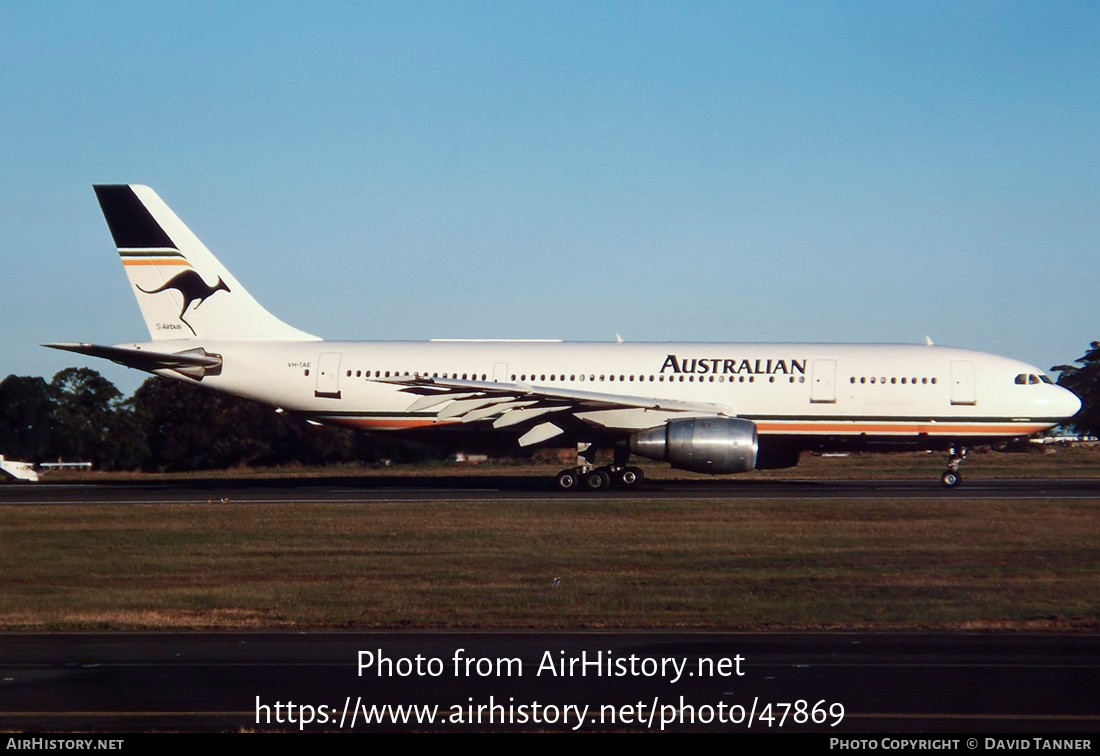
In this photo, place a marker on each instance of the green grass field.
(740, 564)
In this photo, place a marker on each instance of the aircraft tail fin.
(183, 290)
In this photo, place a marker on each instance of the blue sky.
(810, 171)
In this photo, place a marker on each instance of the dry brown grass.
(778, 564)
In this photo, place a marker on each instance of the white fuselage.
(925, 395)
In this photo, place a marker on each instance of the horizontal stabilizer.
(193, 363)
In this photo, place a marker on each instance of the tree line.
(175, 426)
(170, 426)
(1083, 379)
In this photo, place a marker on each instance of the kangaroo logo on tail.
(191, 287)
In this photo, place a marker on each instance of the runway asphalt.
(389, 489)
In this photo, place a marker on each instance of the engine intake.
(715, 445)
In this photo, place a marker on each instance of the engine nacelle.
(715, 445)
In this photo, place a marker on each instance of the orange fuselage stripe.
(388, 423)
(932, 429)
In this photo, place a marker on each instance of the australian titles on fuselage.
(700, 407)
(725, 366)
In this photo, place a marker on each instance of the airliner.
(704, 407)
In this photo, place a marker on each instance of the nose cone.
(1064, 403)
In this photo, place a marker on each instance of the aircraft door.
(823, 382)
(963, 390)
(328, 376)
(500, 372)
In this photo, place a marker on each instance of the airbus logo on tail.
(191, 287)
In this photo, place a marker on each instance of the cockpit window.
(1021, 380)
(1033, 379)
(1045, 378)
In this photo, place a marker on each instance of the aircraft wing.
(545, 409)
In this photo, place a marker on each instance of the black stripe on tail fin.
(131, 224)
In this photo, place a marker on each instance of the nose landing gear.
(951, 477)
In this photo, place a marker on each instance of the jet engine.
(715, 445)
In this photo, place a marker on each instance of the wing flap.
(540, 433)
(517, 416)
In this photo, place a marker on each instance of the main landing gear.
(951, 477)
(599, 478)
(587, 477)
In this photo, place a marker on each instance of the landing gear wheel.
(567, 480)
(631, 477)
(952, 477)
(597, 480)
